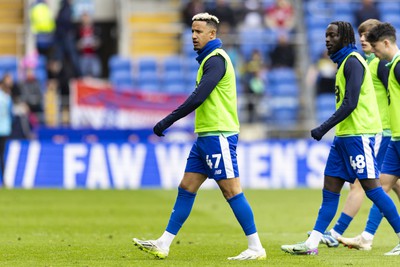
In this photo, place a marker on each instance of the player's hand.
(317, 133)
(159, 129)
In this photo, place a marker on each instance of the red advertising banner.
(96, 104)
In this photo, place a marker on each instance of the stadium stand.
(9, 63)
(325, 106)
(156, 52)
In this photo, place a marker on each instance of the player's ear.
(213, 33)
(386, 42)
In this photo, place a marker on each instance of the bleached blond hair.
(210, 19)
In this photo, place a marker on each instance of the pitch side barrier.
(122, 165)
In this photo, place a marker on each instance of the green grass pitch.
(95, 228)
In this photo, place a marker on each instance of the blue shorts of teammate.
(214, 156)
(391, 163)
(352, 157)
(381, 145)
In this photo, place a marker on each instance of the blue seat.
(284, 89)
(323, 115)
(190, 71)
(316, 34)
(325, 106)
(117, 62)
(175, 82)
(148, 81)
(317, 22)
(190, 64)
(284, 111)
(281, 76)
(147, 64)
(284, 73)
(267, 3)
(13, 73)
(316, 8)
(150, 86)
(187, 44)
(256, 39)
(392, 18)
(316, 49)
(387, 7)
(325, 100)
(122, 79)
(173, 63)
(175, 86)
(343, 6)
(42, 62)
(342, 16)
(8, 63)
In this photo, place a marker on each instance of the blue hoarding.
(123, 165)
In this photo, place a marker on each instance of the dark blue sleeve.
(397, 72)
(383, 72)
(213, 71)
(354, 74)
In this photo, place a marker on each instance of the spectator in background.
(229, 41)
(21, 128)
(192, 8)
(254, 84)
(280, 16)
(322, 74)
(224, 12)
(65, 42)
(31, 94)
(283, 55)
(252, 15)
(42, 26)
(88, 43)
(5, 122)
(368, 10)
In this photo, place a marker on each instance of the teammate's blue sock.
(386, 206)
(374, 219)
(183, 206)
(342, 224)
(242, 210)
(327, 211)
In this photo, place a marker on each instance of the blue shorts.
(214, 156)
(381, 145)
(391, 163)
(352, 158)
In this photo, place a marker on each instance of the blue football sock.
(330, 202)
(182, 208)
(386, 206)
(342, 224)
(374, 219)
(242, 210)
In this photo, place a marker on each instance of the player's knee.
(368, 184)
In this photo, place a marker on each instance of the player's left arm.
(354, 75)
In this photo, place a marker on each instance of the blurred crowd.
(68, 49)
(64, 50)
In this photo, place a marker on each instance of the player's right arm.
(214, 70)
